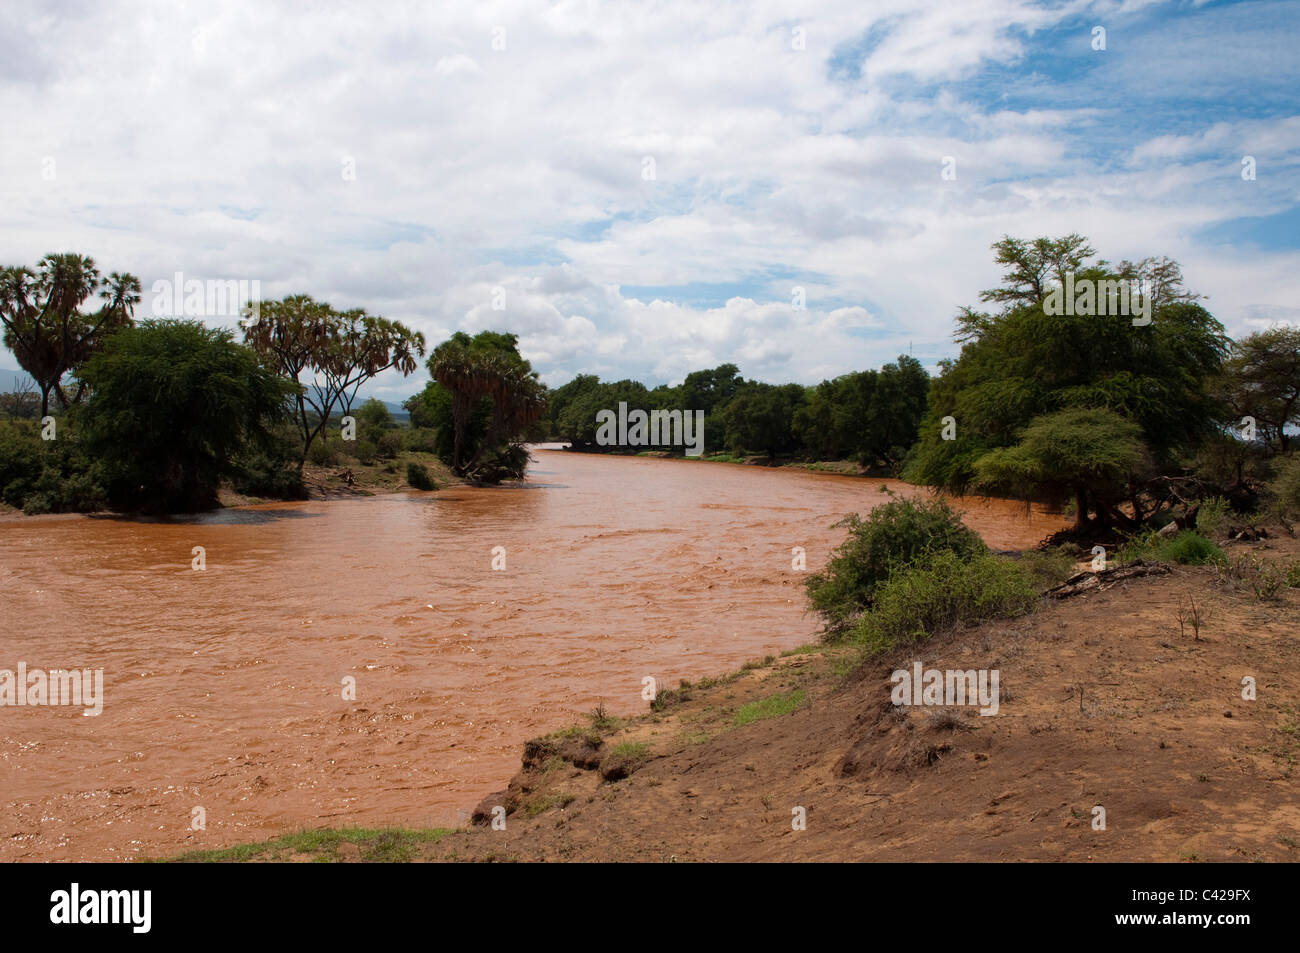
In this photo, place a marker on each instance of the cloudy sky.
(643, 184)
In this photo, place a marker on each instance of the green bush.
(417, 474)
(38, 503)
(323, 452)
(388, 445)
(1191, 549)
(266, 475)
(1048, 567)
(1188, 548)
(420, 439)
(47, 477)
(20, 461)
(894, 535)
(363, 451)
(1214, 516)
(945, 590)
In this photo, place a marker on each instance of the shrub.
(1293, 576)
(1262, 578)
(1191, 549)
(894, 535)
(266, 475)
(323, 452)
(363, 451)
(37, 503)
(946, 590)
(82, 493)
(388, 445)
(1188, 547)
(47, 477)
(421, 439)
(1048, 567)
(417, 474)
(1215, 516)
(20, 462)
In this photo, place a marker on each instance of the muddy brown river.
(223, 688)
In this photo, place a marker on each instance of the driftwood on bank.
(1091, 580)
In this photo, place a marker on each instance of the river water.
(224, 687)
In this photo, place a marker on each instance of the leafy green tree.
(711, 389)
(43, 323)
(871, 416)
(1261, 379)
(895, 413)
(173, 404)
(577, 422)
(1094, 454)
(563, 397)
(1023, 363)
(342, 350)
(373, 418)
(487, 369)
(761, 417)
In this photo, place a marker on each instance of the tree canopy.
(45, 327)
(490, 395)
(173, 405)
(341, 349)
(1261, 380)
(1021, 364)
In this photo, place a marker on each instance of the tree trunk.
(1080, 508)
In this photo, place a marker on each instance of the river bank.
(1107, 701)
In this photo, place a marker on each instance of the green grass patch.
(377, 845)
(771, 707)
(631, 749)
(542, 805)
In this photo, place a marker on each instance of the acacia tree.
(1093, 454)
(43, 324)
(1261, 379)
(1022, 364)
(341, 350)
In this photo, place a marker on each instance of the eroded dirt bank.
(1105, 702)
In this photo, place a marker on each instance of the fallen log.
(1091, 580)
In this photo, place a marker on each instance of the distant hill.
(8, 375)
